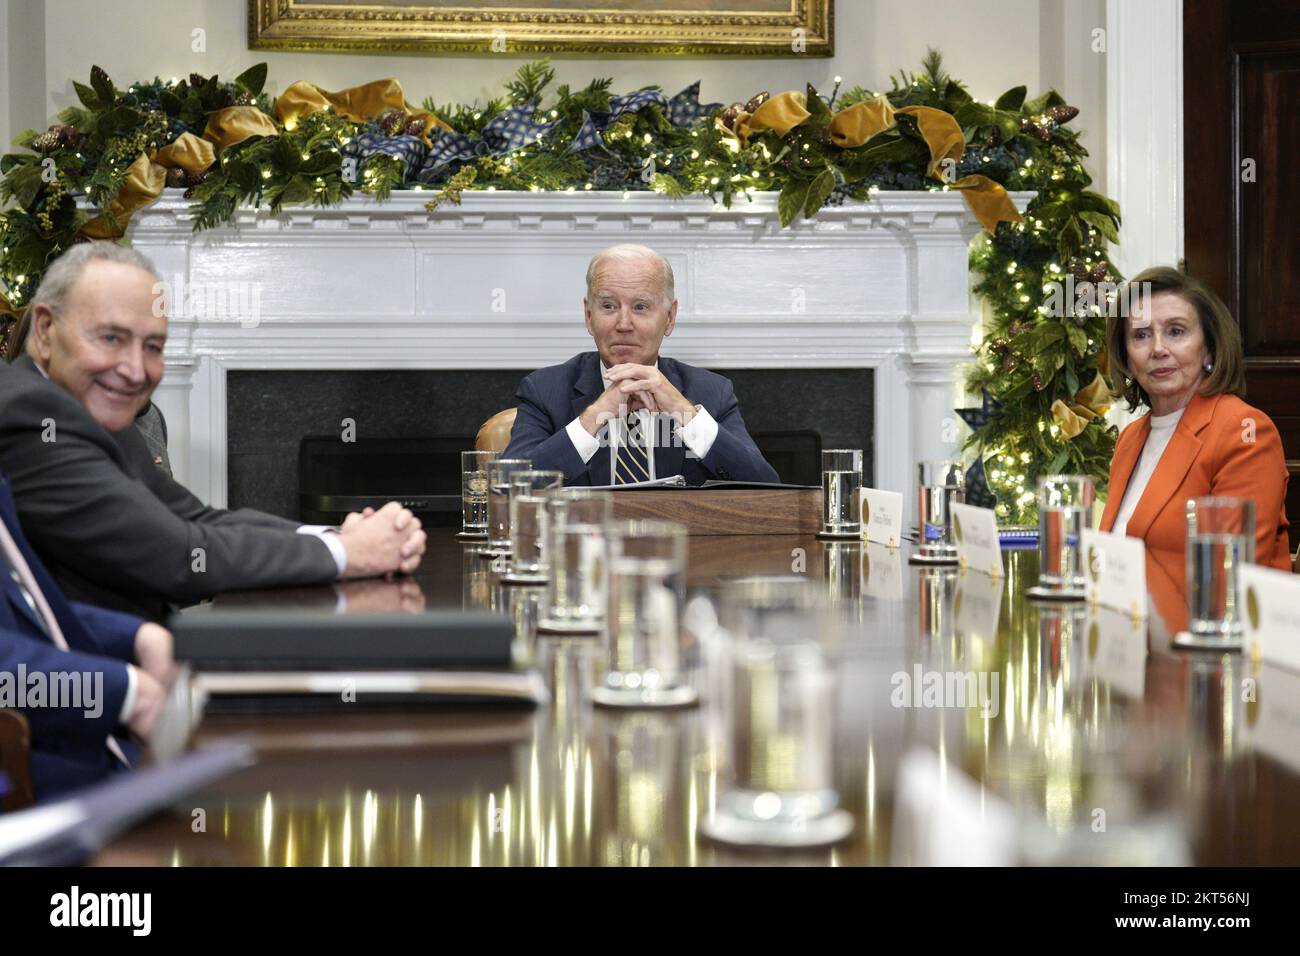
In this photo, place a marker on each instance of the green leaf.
(1059, 461)
(1046, 101)
(954, 95)
(103, 86)
(88, 97)
(170, 102)
(792, 199)
(116, 121)
(1071, 379)
(1103, 222)
(1070, 238)
(1012, 99)
(818, 191)
(1079, 341)
(821, 113)
(1100, 203)
(252, 79)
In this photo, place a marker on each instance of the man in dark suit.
(102, 676)
(111, 526)
(623, 413)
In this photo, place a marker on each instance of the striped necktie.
(633, 459)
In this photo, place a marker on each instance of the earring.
(1209, 366)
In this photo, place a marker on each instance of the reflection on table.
(1083, 737)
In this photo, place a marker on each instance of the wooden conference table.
(1096, 713)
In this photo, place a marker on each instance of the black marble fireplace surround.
(270, 412)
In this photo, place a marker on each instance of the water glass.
(528, 495)
(578, 557)
(841, 481)
(940, 485)
(778, 785)
(499, 471)
(642, 656)
(1220, 539)
(1064, 510)
(474, 492)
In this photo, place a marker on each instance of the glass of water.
(642, 651)
(778, 784)
(528, 495)
(578, 556)
(499, 471)
(474, 492)
(1064, 510)
(939, 484)
(1220, 539)
(841, 481)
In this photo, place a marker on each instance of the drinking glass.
(940, 484)
(528, 491)
(1220, 538)
(578, 556)
(1064, 510)
(841, 481)
(474, 492)
(498, 474)
(642, 650)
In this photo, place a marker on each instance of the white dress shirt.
(1162, 429)
(697, 435)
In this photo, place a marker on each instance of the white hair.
(630, 252)
(63, 273)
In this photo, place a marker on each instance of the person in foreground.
(113, 529)
(624, 413)
(102, 676)
(1175, 349)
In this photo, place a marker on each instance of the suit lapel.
(9, 515)
(1125, 461)
(1173, 466)
(670, 453)
(587, 387)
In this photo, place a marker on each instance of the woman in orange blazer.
(1175, 349)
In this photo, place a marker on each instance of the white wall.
(991, 44)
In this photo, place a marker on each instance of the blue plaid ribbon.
(409, 150)
(684, 109)
(506, 132)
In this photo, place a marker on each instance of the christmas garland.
(229, 145)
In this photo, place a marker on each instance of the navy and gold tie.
(633, 459)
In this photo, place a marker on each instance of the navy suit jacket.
(68, 747)
(550, 398)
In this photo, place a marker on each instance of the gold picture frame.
(672, 27)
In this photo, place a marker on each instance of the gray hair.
(629, 252)
(63, 273)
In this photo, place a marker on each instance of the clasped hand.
(633, 387)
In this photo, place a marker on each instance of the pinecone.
(46, 142)
(1009, 363)
(415, 127)
(390, 121)
(1062, 114)
(730, 114)
(244, 99)
(176, 178)
(1037, 381)
(995, 136)
(68, 135)
(1099, 271)
(757, 100)
(1035, 129)
(194, 179)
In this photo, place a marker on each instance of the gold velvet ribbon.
(357, 103)
(857, 124)
(780, 114)
(1090, 402)
(146, 177)
(235, 124)
(6, 308)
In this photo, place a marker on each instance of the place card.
(1272, 718)
(1116, 569)
(976, 533)
(1117, 649)
(882, 516)
(1272, 625)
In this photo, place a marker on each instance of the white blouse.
(1162, 429)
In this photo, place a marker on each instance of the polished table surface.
(1099, 728)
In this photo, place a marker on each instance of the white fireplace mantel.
(498, 281)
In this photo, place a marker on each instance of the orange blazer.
(1211, 452)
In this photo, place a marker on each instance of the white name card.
(1116, 569)
(1272, 600)
(882, 516)
(976, 533)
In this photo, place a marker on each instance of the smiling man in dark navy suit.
(624, 413)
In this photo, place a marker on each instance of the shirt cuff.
(132, 691)
(330, 536)
(584, 443)
(700, 432)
